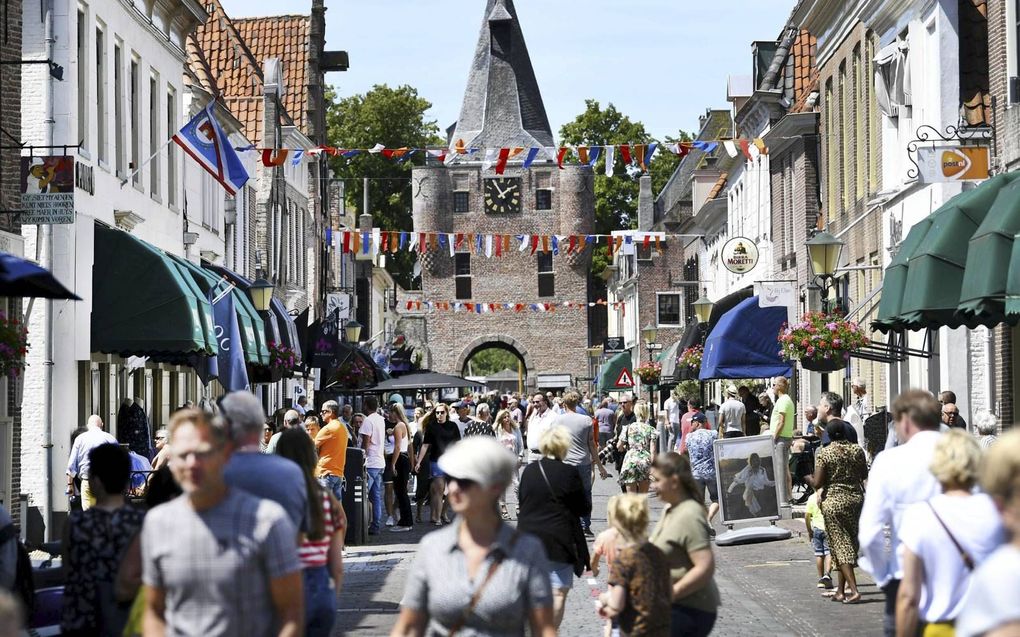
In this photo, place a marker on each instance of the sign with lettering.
(740, 255)
(952, 163)
(614, 344)
(47, 190)
(778, 294)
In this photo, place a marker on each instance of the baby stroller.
(802, 464)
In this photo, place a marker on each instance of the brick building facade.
(503, 108)
(10, 241)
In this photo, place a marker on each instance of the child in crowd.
(815, 524)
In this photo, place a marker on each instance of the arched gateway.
(507, 343)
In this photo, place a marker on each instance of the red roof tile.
(285, 37)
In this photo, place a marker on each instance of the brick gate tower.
(503, 108)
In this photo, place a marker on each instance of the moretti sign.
(740, 255)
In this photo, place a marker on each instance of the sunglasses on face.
(294, 421)
(463, 483)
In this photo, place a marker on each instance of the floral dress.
(637, 464)
(97, 542)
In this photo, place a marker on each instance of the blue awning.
(745, 344)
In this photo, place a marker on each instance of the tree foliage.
(394, 117)
(491, 361)
(616, 197)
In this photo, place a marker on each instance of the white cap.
(481, 459)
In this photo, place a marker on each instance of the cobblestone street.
(767, 588)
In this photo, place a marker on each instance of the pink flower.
(831, 326)
(810, 351)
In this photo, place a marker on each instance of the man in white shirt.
(899, 477)
(373, 440)
(672, 409)
(542, 417)
(78, 462)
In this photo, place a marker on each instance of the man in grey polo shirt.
(583, 451)
(216, 560)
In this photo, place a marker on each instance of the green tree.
(394, 117)
(616, 197)
(491, 361)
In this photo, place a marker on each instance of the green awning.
(668, 360)
(249, 322)
(617, 373)
(924, 283)
(985, 279)
(144, 303)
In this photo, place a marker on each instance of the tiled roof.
(805, 75)
(221, 59)
(287, 38)
(718, 187)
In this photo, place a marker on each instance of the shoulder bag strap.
(496, 562)
(968, 561)
(552, 494)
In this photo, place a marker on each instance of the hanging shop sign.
(614, 345)
(778, 294)
(47, 189)
(952, 163)
(740, 255)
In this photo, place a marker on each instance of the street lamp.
(353, 331)
(824, 252)
(261, 292)
(649, 332)
(703, 308)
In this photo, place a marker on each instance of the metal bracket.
(959, 134)
(896, 350)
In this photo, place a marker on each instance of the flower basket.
(691, 357)
(13, 346)
(649, 373)
(353, 374)
(282, 359)
(822, 364)
(821, 342)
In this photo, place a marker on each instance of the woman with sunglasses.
(509, 435)
(440, 435)
(478, 576)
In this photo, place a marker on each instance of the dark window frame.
(461, 201)
(543, 199)
(546, 275)
(462, 276)
(678, 305)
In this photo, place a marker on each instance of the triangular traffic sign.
(625, 379)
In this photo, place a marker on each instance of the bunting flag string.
(378, 241)
(475, 307)
(637, 155)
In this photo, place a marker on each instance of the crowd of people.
(238, 525)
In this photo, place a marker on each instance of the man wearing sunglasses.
(541, 419)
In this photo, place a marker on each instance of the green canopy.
(144, 303)
(248, 322)
(983, 297)
(924, 283)
(617, 373)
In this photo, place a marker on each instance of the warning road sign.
(625, 379)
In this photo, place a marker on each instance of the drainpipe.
(47, 239)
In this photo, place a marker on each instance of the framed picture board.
(745, 473)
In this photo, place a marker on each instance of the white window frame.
(83, 27)
(680, 309)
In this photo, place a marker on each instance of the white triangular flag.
(610, 160)
(731, 148)
(488, 246)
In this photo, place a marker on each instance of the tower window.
(546, 276)
(460, 201)
(462, 275)
(543, 199)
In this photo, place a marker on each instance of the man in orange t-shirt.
(331, 445)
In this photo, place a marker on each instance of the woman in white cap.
(477, 576)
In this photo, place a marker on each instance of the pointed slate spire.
(502, 103)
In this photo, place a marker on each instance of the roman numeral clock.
(503, 195)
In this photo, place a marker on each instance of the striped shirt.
(314, 553)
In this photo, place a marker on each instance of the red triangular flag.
(560, 156)
(504, 155)
(534, 243)
(625, 154)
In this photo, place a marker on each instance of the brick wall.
(1007, 148)
(851, 174)
(10, 199)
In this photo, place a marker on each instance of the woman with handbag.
(944, 540)
(553, 501)
(477, 574)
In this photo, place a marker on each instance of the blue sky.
(662, 62)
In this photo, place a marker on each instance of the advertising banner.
(47, 189)
(952, 163)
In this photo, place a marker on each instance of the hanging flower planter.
(649, 373)
(13, 346)
(821, 342)
(282, 359)
(691, 357)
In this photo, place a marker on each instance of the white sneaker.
(400, 529)
(390, 521)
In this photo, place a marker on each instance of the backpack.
(24, 586)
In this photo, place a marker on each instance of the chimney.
(646, 204)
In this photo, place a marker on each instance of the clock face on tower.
(503, 195)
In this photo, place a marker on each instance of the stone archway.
(508, 343)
